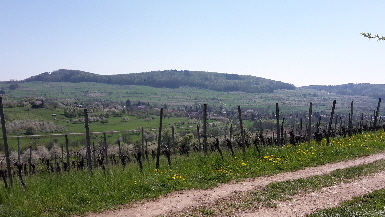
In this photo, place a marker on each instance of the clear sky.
(299, 42)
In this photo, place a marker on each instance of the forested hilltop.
(171, 79)
(362, 89)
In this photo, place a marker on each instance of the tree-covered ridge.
(362, 89)
(171, 79)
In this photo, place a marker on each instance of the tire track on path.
(302, 205)
(177, 201)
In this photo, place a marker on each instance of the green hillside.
(171, 79)
(362, 89)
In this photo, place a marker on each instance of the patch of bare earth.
(179, 203)
(302, 205)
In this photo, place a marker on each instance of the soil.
(180, 202)
(302, 205)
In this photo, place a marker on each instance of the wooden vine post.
(18, 148)
(146, 152)
(120, 148)
(30, 160)
(336, 122)
(362, 122)
(205, 128)
(143, 142)
(94, 160)
(159, 139)
(173, 139)
(278, 128)
(351, 119)
(283, 135)
(199, 139)
(242, 131)
(376, 114)
(88, 140)
(300, 127)
(68, 154)
(62, 152)
(105, 146)
(309, 125)
(6, 151)
(331, 122)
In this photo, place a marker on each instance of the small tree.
(128, 103)
(13, 86)
(31, 130)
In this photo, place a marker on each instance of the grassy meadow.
(79, 192)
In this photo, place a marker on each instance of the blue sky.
(298, 42)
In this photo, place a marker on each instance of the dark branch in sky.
(369, 35)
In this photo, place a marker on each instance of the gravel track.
(181, 200)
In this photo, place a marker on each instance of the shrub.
(31, 130)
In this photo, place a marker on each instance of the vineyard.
(58, 183)
(59, 173)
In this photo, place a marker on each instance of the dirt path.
(302, 205)
(180, 200)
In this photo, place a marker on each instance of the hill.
(362, 89)
(171, 79)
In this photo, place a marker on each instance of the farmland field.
(79, 192)
(119, 113)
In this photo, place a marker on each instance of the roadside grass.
(372, 204)
(79, 192)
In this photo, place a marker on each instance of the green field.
(89, 93)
